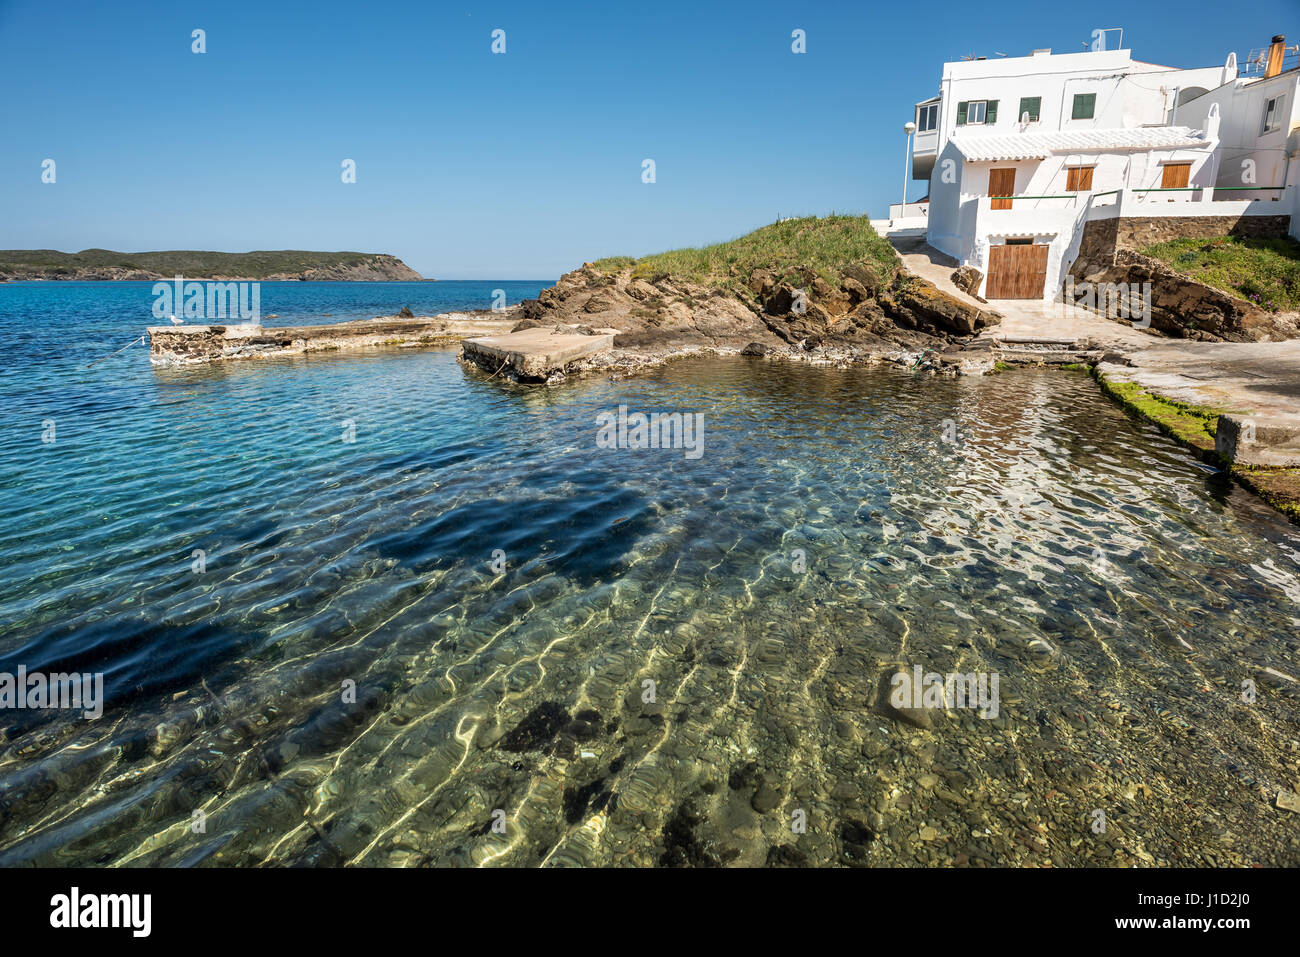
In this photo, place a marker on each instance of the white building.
(1259, 154)
(1022, 151)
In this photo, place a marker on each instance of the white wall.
(1144, 96)
(945, 231)
(910, 211)
(1245, 150)
(1058, 227)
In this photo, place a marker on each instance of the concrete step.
(1264, 441)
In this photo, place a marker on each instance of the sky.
(472, 164)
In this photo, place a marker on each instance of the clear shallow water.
(1120, 592)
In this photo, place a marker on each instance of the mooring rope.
(140, 339)
(500, 367)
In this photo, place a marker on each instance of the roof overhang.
(1011, 147)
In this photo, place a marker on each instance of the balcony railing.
(1071, 196)
(1145, 194)
(1211, 201)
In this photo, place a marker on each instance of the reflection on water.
(565, 655)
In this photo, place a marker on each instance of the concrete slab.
(1261, 441)
(1261, 379)
(536, 353)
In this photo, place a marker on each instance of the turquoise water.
(498, 591)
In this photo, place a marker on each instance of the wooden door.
(1017, 272)
(1002, 182)
(1175, 175)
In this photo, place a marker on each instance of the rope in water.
(140, 339)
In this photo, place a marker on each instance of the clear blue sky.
(522, 165)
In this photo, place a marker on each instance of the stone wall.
(1138, 232)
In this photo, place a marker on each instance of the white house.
(1020, 150)
(1259, 154)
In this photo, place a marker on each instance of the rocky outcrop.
(869, 309)
(968, 279)
(380, 268)
(1180, 306)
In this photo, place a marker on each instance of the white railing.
(1192, 201)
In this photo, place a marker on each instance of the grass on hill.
(185, 262)
(1263, 271)
(823, 244)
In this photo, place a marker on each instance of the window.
(927, 118)
(1085, 105)
(1273, 114)
(1175, 175)
(974, 112)
(1078, 179)
(1032, 105)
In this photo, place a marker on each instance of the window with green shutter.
(991, 116)
(1031, 105)
(961, 113)
(1085, 104)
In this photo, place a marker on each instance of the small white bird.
(175, 321)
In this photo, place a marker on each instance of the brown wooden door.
(1175, 175)
(1017, 272)
(1002, 182)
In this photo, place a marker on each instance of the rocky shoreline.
(870, 316)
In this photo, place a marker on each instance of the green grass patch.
(824, 245)
(1265, 272)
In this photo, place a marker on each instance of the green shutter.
(1032, 105)
(991, 112)
(1084, 106)
(961, 113)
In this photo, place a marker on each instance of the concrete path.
(1021, 318)
(1059, 320)
(1262, 378)
(922, 259)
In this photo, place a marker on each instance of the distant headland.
(269, 265)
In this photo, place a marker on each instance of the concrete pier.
(534, 354)
(186, 344)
